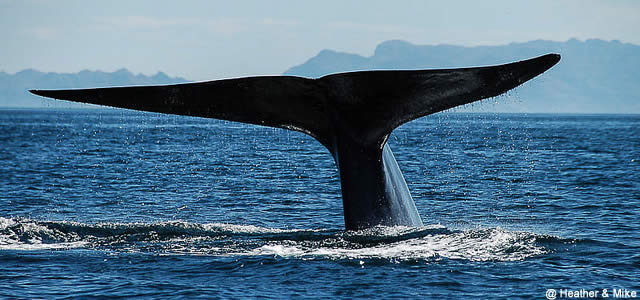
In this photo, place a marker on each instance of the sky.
(205, 40)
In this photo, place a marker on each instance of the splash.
(429, 243)
(426, 243)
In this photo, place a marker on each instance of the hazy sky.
(203, 40)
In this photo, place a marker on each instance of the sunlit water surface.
(112, 203)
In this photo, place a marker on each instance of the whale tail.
(370, 103)
(351, 114)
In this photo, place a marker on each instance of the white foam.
(25, 234)
(5, 223)
(217, 239)
(16, 245)
(474, 245)
(243, 228)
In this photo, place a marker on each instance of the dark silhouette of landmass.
(594, 76)
(14, 89)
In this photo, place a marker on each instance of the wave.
(428, 243)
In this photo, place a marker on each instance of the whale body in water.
(352, 114)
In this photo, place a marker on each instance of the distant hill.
(14, 88)
(593, 76)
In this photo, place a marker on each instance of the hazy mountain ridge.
(14, 88)
(594, 76)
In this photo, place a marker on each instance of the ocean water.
(112, 203)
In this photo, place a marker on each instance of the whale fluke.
(351, 114)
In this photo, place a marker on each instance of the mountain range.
(14, 89)
(594, 76)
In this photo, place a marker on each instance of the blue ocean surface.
(106, 203)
